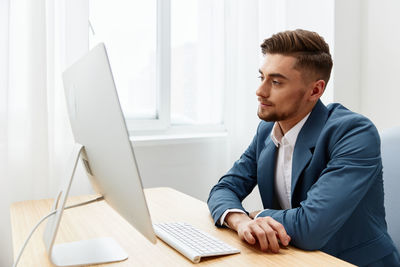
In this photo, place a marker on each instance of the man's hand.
(265, 230)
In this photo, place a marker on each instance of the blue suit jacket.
(337, 187)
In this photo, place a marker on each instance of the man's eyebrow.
(276, 75)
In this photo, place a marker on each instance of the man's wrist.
(222, 219)
(235, 218)
(258, 213)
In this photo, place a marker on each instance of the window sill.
(172, 139)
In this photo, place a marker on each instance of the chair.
(390, 149)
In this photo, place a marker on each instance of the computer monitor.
(103, 144)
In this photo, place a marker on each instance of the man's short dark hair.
(309, 48)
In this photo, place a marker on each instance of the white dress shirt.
(283, 166)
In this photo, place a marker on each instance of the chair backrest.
(390, 149)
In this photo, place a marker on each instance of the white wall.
(190, 167)
(380, 62)
(366, 59)
(347, 56)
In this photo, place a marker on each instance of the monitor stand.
(94, 251)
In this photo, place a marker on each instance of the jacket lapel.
(266, 174)
(306, 141)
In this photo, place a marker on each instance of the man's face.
(282, 93)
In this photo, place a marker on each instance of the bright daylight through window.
(167, 58)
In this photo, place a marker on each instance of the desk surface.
(166, 205)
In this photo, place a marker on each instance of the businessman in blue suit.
(318, 168)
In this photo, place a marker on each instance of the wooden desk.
(166, 205)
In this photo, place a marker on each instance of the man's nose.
(263, 90)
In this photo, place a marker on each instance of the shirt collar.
(290, 136)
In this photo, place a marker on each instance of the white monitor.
(103, 144)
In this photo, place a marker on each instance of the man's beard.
(271, 116)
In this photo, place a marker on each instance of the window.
(167, 58)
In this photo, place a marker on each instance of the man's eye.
(261, 78)
(275, 82)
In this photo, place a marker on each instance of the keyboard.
(191, 242)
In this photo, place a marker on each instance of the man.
(318, 168)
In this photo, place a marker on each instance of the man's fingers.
(273, 242)
(266, 231)
(278, 227)
(248, 237)
(261, 235)
(270, 235)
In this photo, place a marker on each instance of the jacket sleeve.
(354, 165)
(233, 187)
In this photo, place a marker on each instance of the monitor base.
(85, 252)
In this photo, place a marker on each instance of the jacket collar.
(277, 135)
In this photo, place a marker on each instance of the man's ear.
(318, 88)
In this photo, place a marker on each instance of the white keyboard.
(191, 242)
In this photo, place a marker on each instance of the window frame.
(161, 124)
(163, 73)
